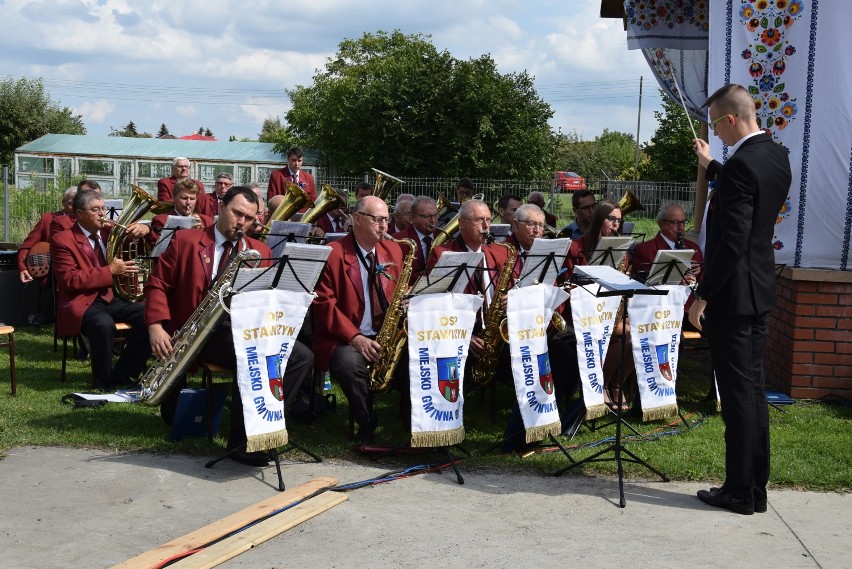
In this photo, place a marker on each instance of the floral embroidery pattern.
(767, 56)
(648, 14)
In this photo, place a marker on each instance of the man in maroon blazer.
(180, 171)
(185, 201)
(359, 280)
(86, 302)
(63, 222)
(401, 215)
(180, 283)
(292, 173)
(41, 232)
(672, 221)
(424, 217)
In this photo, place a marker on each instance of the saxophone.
(188, 341)
(394, 334)
(485, 366)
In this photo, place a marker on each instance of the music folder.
(444, 277)
(670, 266)
(173, 223)
(611, 251)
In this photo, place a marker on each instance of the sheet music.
(303, 260)
(173, 223)
(537, 255)
(441, 275)
(682, 259)
(280, 232)
(500, 231)
(329, 237)
(113, 207)
(618, 245)
(608, 277)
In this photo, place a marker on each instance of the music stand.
(298, 269)
(613, 283)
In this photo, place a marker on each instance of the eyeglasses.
(478, 220)
(97, 209)
(378, 220)
(427, 215)
(681, 222)
(712, 124)
(613, 219)
(182, 166)
(531, 224)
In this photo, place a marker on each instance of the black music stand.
(626, 292)
(276, 270)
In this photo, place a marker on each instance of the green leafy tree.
(395, 102)
(27, 112)
(275, 132)
(164, 131)
(670, 154)
(129, 131)
(610, 155)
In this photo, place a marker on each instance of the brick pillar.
(809, 351)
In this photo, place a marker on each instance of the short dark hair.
(88, 185)
(505, 199)
(578, 195)
(295, 151)
(244, 191)
(84, 197)
(364, 186)
(465, 183)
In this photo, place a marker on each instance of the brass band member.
(424, 216)
(180, 171)
(86, 302)
(360, 276)
(185, 201)
(180, 282)
(401, 217)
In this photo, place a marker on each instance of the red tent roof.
(196, 136)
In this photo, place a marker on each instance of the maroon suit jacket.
(78, 277)
(644, 253)
(61, 223)
(183, 275)
(204, 204)
(419, 266)
(41, 232)
(277, 184)
(495, 257)
(159, 222)
(324, 223)
(339, 306)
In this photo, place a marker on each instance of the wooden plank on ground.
(226, 525)
(260, 532)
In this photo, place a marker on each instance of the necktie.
(106, 293)
(227, 249)
(376, 310)
(427, 241)
(519, 266)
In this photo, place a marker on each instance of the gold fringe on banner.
(267, 441)
(541, 432)
(596, 411)
(431, 439)
(658, 413)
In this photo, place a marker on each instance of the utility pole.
(638, 124)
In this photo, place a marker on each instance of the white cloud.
(96, 112)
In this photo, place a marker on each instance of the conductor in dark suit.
(737, 291)
(181, 281)
(360, 277)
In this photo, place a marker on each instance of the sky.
(225, 65)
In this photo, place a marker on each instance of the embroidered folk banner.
(593, 320)
(439, 330)
(529, 310)
(265, 324)
(655, 332)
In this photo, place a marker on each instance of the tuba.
(629, 203)
(130, 287)
(294, 200)
(188, 341)
(394, 334)
(329, 200)
(485, 366)
(446, 233)
(385, 183)
(445, 205)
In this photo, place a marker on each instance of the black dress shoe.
(250, 458)
(718, 498)
(760, 504)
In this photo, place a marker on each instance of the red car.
(570, 181)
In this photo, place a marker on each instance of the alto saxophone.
(485, 366)
(394, 334)
(188, 341)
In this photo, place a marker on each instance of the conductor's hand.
(370, 349)
(121, 267)
(161, 342)
(477, 346)
(696, 313)
(702, 150)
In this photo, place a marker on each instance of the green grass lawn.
(809, 440)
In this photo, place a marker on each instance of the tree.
(129, 131)
(27, 112)
(164, 131)
(670, 154)
(609, 155)
(394, 102)
(208, 132)
(275, 132)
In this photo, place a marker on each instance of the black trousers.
(98, 326)
(736, 349)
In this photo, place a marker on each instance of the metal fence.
(24, 207)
